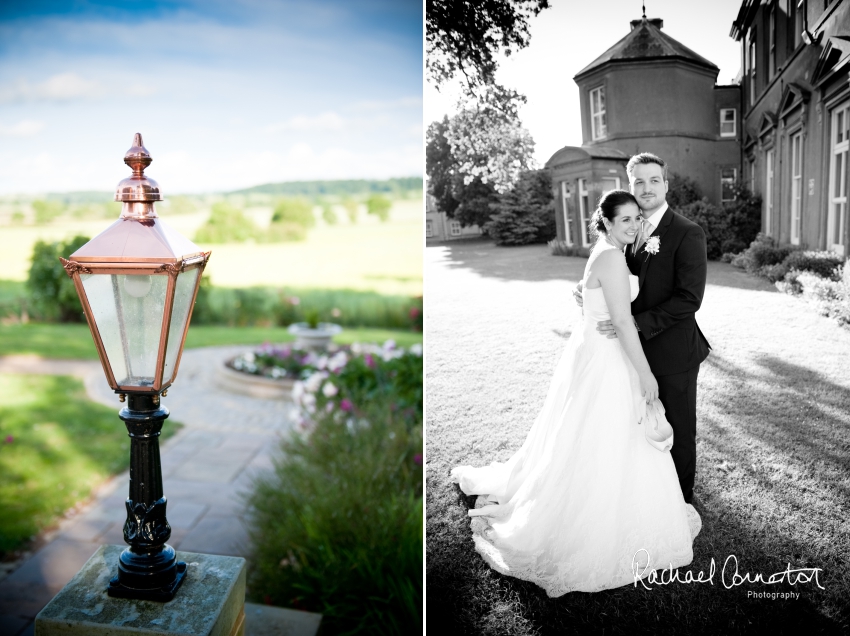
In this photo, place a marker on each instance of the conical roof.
(646, 41)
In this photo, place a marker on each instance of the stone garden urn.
(316, 338)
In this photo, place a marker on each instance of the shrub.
(379, 206)
(226, 224)
(283, 306)
(294, 211)
(729, 228)
(824, 264)
(350, 206)
(328, 214)
(525, 214)
(52, 293)
(762, 251)
(337, 528)
(682, 191)
(46, 211)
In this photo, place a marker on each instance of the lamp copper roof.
(646, 41)
(138, 236)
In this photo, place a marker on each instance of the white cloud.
(24, 128)
(324, 122)
(58, 88)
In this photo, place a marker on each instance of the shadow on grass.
(531, 263)
(535, 263)
(772, 490)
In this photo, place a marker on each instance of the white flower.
(389, 344)
(329, 390)
(337, 362)
(309, 402)
(653, 244)
(297, 391)
(329, 407)
(249, 357)
(314, 382)
(322, 362)
(416, 349)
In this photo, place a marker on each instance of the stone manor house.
(647, 93)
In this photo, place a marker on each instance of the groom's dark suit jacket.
(672, 283)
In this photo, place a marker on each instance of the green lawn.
(773, 460)
(55, 447)
(74, 341)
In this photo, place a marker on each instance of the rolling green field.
(368, 255)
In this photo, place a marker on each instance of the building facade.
(647, 93)
(439, 227)
(795, 101)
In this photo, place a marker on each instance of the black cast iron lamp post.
(137, 281)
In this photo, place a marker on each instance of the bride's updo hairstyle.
(607, 209)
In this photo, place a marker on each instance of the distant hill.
(336, 188)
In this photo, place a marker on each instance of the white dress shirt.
(655, 219)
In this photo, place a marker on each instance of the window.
(771, 59)
(584, 208)
(728, 176)
(768, 190)
(840, 143)
(728, 123)
(796, 187)
(751, 62)
(454, 228)
(795, 22)
(429, 229)
(598, 122)
(565, 201)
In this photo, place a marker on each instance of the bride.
(587, 503)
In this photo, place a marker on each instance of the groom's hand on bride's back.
(606, 328)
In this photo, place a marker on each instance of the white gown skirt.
(586, 504)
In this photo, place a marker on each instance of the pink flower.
(9, 439)
(414, 313)
(417, 459)
(335, 312)
(346, 405)
(295, 301)
(369, 360)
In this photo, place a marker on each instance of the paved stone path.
(207, 467)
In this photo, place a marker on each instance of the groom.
(672, 271)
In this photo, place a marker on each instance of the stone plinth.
(211, 601)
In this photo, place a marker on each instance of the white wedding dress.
(587, 502)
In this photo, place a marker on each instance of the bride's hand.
(649, 387)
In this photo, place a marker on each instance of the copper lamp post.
(137, 281)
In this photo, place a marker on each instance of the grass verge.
(55, 447)
(74, 341)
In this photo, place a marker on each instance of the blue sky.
(227, 94)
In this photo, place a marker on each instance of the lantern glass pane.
(184, 292)
(128, 312)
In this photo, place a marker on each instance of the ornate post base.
(148, 569)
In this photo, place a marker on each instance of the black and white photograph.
(636, 317)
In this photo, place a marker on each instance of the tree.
(297, 211)
(466, 201)
(683, 191)
(525, 214)
(379, 206)
(463, 37)
(490, 145)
